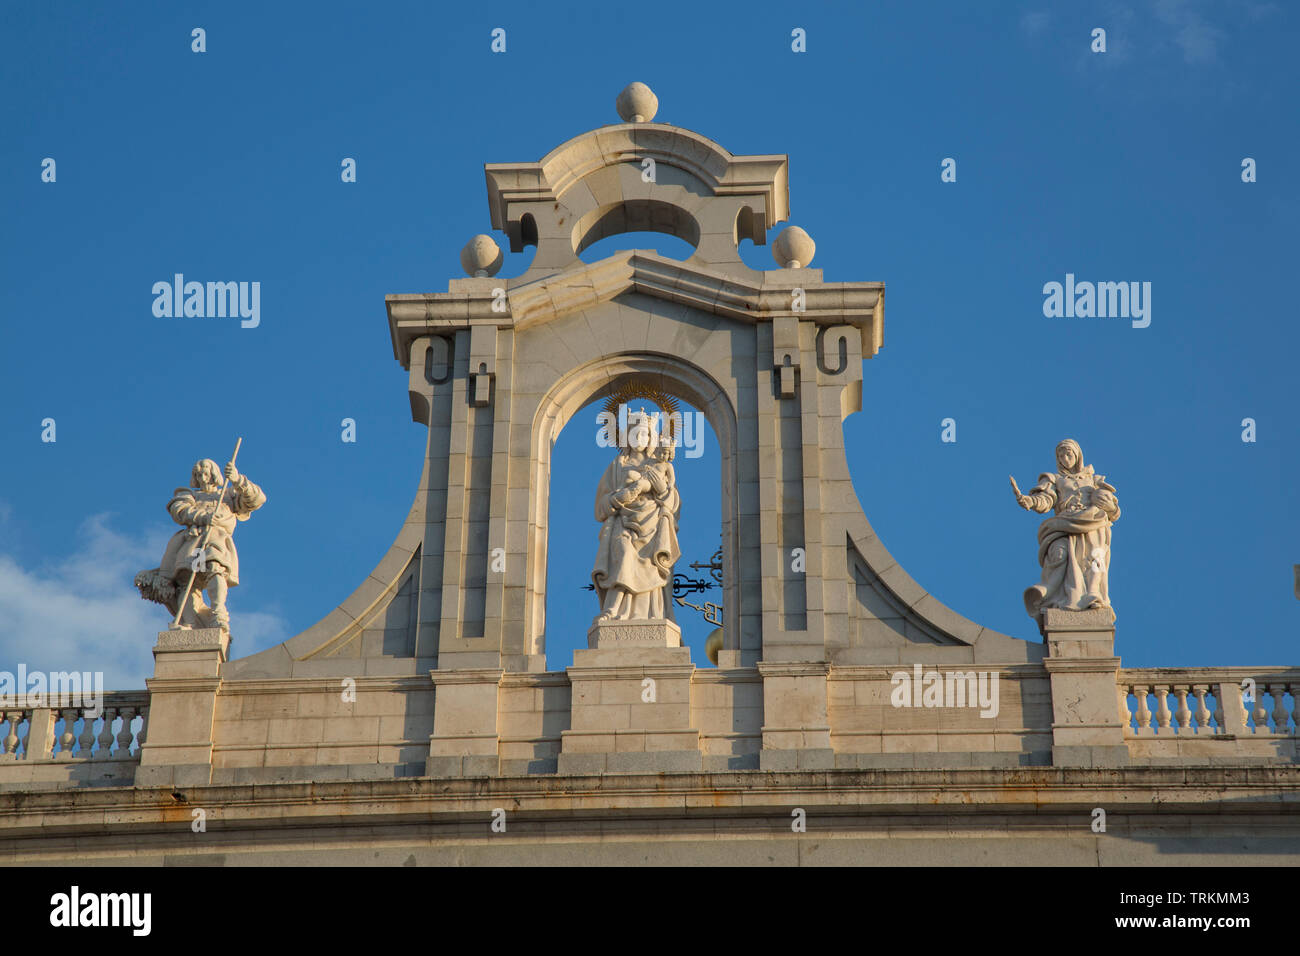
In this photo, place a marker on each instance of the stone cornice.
(1010, 797)
(184, 685)
(469, 675)
(727, 675)
(767, 296)
(765, 177)
(1080, 665)
(794, 668)
(534, 679)
(856, 672)
(630, 671)
(307, 685)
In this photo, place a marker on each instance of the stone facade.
(428, 691)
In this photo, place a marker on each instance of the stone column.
(465, 740)
(182, 707)
(796, 728)
(1084, 671)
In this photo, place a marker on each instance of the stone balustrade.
(1213, 701)
(50, 732)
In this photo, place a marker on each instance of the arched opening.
(586, 388)
(634, 215)
(579, 457)
(666, 245)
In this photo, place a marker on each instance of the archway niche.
(594, 381)
(579, 457)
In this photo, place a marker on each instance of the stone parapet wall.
(378, 727)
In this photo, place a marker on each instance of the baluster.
(1295, 708)
(9, 746)
(1143, 713)
(1162, 711)
(144, 727)
(105, 751)
(1183, 714)
(1202, 711)
(67, 738)
(1279, 708)
(86, 741)
(124, 735)
(1261, 713)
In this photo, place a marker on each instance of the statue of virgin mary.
(637, 506)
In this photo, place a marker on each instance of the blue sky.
(1115, 166)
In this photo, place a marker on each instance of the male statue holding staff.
(205, 550)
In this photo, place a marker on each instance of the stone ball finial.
(637, 103)
(481, 257)
(793, 249)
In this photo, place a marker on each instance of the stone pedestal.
(465, 740)
(607, 634)
(796, 727)
(631, 702)
(182, 707)
(1086, 726)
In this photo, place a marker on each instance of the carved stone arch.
(635, 215)
(593, 186)
(590, 381)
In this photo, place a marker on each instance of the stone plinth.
(796, 727)
(1086, 727)
(465, 741)
(182, 706)
(613, 634)
(631, 708)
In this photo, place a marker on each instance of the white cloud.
(82, 612)
(1193, 34)
(1035, 22)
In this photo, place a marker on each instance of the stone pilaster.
(796, 728)
(466, 738)
(1081, 661)
(182, 706)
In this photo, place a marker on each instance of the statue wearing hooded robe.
(1073, 544)
(637, 505)
(204, 507)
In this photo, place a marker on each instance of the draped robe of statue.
(638, 538)
(217, 567)
(1074, 544)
